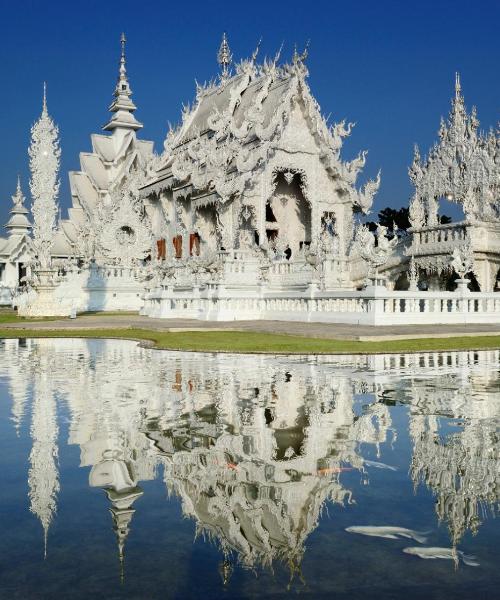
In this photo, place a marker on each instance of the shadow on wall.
(96, 285)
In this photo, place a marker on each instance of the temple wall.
(95, 289)
(370, 306)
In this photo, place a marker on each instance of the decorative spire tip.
(44, 105)
(224, 56)
(458, 87)
(123, 41)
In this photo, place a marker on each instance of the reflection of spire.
(18, 389)
(122, 514)
(121, 521)
(43, 477)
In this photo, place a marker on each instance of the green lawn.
(235, 341)
(8, 315)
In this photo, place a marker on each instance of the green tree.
(388, 217)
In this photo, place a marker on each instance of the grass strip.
(254, 342)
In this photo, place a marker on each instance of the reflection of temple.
(255, 453)
(461, 467)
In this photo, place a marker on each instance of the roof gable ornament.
(298, 60)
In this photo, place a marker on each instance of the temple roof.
(237, 124)
(220, 98)
(61, 245)
(19, 223)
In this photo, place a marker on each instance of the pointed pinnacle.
(224, 56)
(123, 40)
(44, 104)
(458, 87)
(256, 51)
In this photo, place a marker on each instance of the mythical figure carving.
(376, 250)
(417, 212)
(124, 233)
(413, 275)
(462, 261)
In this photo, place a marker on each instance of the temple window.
(270, 218)
(162, 249)
(272, 234)
(328, 223)
(194, 244)
(177, 243)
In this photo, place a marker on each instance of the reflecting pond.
(133, 473)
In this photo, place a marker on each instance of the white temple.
(250, 212)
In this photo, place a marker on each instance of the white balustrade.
(372, 306)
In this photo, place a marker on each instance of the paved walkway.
(318, 330)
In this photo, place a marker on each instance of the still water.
(133, 473)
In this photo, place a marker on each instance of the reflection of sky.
(251, 456)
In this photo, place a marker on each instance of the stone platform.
(314, 330)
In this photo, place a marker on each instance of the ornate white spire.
(122, 105)
(45, 154)
(224, 57)
(18, 198)
(18, 222)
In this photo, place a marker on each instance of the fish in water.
(446, 553)
(390, 533)
(329, 470)
(379, 465)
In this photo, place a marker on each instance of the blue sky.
(387, 65)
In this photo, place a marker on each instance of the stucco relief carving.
(124, 231)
